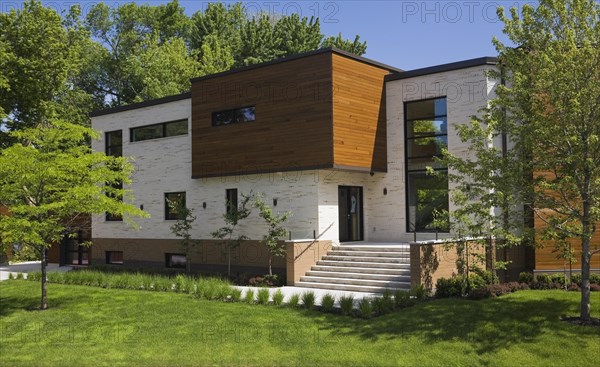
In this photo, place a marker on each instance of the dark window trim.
(164, 130)
(231, 206)
(406, 157)
(106, 140)
(212, 115)
(168, 261)
(167, 217)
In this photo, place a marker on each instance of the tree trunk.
(229, 261)
(188, 265)
(585, 279)
(44, 302)
(270, 268)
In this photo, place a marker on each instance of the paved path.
(319, 293)
(26, 267)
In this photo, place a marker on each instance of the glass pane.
(427, 147)
(222, 118)
(114, 138)
(427, 127)
(245, 114)
(177, 128)
(426, 109)
(147, 132)
(115, 151)
(173, 202)
(426, 195)
(176, 261)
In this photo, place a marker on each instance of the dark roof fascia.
(444, 67)
(299, 56)
(133, 106)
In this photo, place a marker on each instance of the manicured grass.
(112, 327)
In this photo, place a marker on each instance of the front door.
(350, 213)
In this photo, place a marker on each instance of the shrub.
(10, 276)
(264, 281)
(573, 287)
(576, 278)
(308, 300)
(236, 294)
(278, 297)
(19, 276)
(402, 299)
(384, 304)
(365, 306)
(249, 296)
(327, 303)
(34, 276)
(492, 290)
(595, 278)
(558, 278)
(543, 278)
(450, 287)
(262, 297)
(418, 291)
(347, 304)
(595, 287)
(526, 277)
(181, 284)
(294, 300)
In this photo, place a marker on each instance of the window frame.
(231, 206)
(163, 126)
(169, 262)
(108, 150)
(407, 171)
(233, 111)
(168, 214)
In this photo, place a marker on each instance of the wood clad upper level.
(324, 109)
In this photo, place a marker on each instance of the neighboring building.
(339, 140)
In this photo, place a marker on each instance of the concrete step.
(350, 281)
(399, 248)
(371, 270)
(393, 260)
(347, 275)
(362, 264)
(349, 288)
(391, 254)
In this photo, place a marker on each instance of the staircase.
(361, 268)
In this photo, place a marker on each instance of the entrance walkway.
(26, 267)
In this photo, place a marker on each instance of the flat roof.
(488, 60)
(133, 106)
(299, 56)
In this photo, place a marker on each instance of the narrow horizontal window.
(157, 131)
(114, 257)
(234, 116)
(177, 261)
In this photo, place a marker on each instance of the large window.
(174, 201)
(426, 135)
(231, 200)
(156, 131)
(234, 116)
(114, 257)
(114, 147)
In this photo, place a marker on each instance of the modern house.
(340, 141)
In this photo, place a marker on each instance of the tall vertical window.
(114, 147)
(426, 132)
(231, 200)
(174, 202)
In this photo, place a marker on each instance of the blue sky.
(408, 34)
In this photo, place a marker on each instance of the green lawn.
(93, 326)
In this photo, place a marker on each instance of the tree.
(49, 178)
(182, 227)
(547, 113)
(215, 57)
(232, 217)
(275, 230)
(355, 47)
(43, 53)
(161, 69)
(297, 35)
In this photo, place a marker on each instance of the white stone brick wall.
(164, 165)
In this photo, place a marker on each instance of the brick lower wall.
(208, 256)
(301, 256)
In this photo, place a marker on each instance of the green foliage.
(275, 230)
(525, 277)
(355, 47)
(11, 276)
(347, 304)
(228, 233)
(182, 227)
(236, 294)
(418, 291)
(278, 297)
(327, 302)
(365, 307)
(262, 296)
(402, 299)
(294, 300)
(249, 296)
(384, 304)
(308, 299)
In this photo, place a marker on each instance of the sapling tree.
(275, 230)
(182, 229)
(50, 178)
(229, 232)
